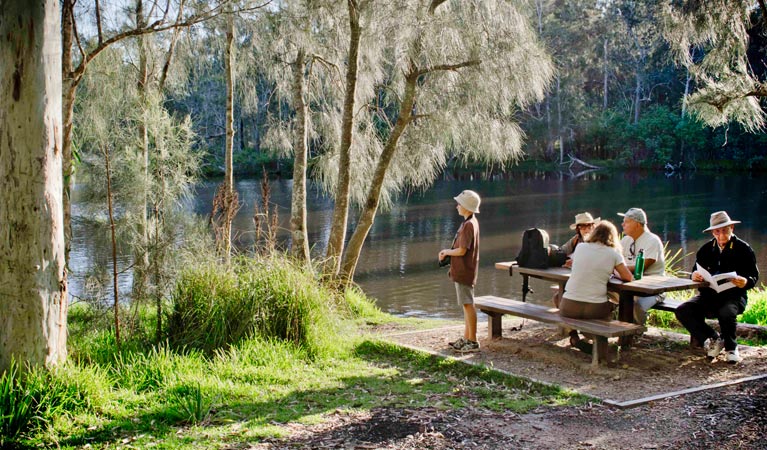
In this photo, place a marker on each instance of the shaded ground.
(658, 362)
(729, 417)
(734, 417)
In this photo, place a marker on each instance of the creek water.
(398, 265)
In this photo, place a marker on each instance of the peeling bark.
(33, 283)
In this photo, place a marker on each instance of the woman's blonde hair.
(605, 233)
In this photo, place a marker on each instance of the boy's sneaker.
(713, 348)
(457, 344)
(733, 357)
(469, 346)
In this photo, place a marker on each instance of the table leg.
(525, 287)
(626, 314)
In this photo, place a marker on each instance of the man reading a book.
(724, 253)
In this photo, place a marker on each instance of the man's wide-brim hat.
(583, 219)
(469, 200)
(720, 219)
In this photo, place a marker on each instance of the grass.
(244, 394)
(237, 391)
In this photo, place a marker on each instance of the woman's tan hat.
(583, 218)
(720, 219)
(469, 200)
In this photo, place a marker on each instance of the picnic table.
(648, 285)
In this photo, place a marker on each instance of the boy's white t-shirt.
(593, 263)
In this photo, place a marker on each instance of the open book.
(720, 282)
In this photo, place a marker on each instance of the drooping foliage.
(712, 40)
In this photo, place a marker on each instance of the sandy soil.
(657, 364)
(732, 416)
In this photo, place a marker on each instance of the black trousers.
(694, 312)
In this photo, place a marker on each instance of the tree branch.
(434, 5)
(156, 27)
(326, 63)
(172, 46)
(443, 67)
(98, 22)
(77, 35)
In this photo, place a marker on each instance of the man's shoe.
(457, 344)
(713, 348)
(469, 346)
(733, 357)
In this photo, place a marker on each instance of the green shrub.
(18, 405)
(756, 309)
(30, 399)
(189, 404)
(215, 306)
(144, 371)
(360, 306)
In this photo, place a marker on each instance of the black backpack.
(535, 249)
(557, 256)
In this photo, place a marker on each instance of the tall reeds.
(215, 306)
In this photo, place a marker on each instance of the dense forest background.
(617, 95)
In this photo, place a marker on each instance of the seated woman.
(584, 223)
(594, 261)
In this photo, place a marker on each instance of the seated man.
(639, 238)
(724, 253)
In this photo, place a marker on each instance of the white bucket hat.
(469, 200)
(584, 218)
(720, 219)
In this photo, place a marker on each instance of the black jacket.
(737, 256)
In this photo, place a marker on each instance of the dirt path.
(657, 364)
(729, 417)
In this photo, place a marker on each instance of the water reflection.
(398, 264)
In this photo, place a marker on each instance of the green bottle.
(639, 265)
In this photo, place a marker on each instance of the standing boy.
(464, 259)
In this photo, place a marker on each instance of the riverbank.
(256, 165)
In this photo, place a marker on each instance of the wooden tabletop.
(648, 285)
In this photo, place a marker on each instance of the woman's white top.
(593, 263)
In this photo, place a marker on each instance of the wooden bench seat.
(496, 307)
(668, 305)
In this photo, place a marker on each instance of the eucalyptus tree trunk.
(559, 122)
(637, 96)
(604, 81)
(141, 248)
(367, 216)
(228, 170)
(33, 283)
(341, 210)
(69, 87)
(298, 232)
(686, 93)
